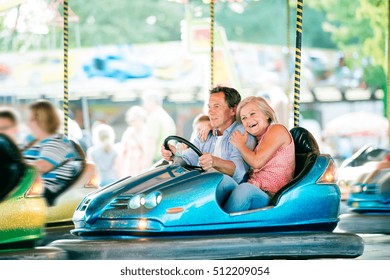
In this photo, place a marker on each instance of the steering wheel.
(186, 142)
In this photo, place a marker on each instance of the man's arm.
(189, 154)
(234, 166)
(208, 161)
(227, 167)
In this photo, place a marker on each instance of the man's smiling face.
(221, 116)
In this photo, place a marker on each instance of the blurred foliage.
(265, 22)
(124, 21)
(375, 77)
(362, 26)
(143, 21)
(357, 27)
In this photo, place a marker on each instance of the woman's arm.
(276, 137)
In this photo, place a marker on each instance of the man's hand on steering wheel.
(168, 151)
(206, 161)
(168, 154)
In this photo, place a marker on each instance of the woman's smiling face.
(254, 120)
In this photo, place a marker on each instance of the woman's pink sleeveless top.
(278, 171)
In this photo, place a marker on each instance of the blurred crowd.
(139, 145)
(137, 149)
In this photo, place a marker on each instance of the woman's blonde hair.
(46, 116)
(103, 135)
(263, 106)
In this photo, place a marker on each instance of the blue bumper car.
(176, 204)
(372, 196)
(117, 67)
(369, 204)
(353, 169)
(365, 154)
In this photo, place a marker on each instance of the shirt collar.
(227, 130)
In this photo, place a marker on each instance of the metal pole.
(297, 70)
(288, 60)
(212, 43)
(66, 82)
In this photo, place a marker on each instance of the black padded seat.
(79, 164)
(306, 153)
(12, 166)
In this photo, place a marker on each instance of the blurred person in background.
(9, 121)
(201, 127)
(159, 124)
(103, 154)
(134, 156)
(50, 152)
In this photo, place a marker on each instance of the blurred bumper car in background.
(22, 205)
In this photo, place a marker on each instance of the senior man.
(218, 152)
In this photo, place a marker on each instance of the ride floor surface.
(234, 246)
(60, 244)
(376, 247)
(37, 253)
(365, 223)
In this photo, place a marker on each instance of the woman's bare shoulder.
(281, 132)
(279, 128)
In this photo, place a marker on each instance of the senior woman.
(272, 161)
(50, 152)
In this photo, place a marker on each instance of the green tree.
(265, 22)
(103, 22)
(361, 26)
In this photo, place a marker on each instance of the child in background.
(201, 126)
(103, 154)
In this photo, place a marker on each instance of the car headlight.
(357, 189)
(153, 199)
(355, 204)
(342, 183)
(137, 201)
(142, 224)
